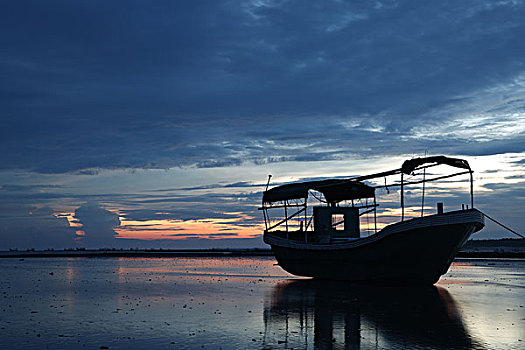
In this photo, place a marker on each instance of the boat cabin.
(332, 223)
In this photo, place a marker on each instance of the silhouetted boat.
(418, 250)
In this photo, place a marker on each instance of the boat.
(331, 240)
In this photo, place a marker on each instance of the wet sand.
(249, 303)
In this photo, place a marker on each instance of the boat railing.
(292, 223)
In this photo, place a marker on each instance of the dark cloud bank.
(133, 84)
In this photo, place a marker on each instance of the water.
(249, 303)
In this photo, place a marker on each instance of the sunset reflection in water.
(250, 303)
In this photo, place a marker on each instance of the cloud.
(239, 184)
(203, 235)
(26, 188)
(98, 225)
(216, 84)
(23, 227)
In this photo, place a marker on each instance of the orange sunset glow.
(180, 229)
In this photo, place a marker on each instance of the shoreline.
(167, 253)
(134, 253)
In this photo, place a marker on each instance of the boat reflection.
(313, 314)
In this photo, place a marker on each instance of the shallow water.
(249, 303)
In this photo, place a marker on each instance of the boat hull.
(416, 251)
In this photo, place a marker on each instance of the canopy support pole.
(423, 194)
(471, 190)
(305, 218)
(375, 214)
(286, 216)
(402, 199)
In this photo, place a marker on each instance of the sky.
(155, 123)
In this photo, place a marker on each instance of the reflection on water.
(334, 315)
(250, 303)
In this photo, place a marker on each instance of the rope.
(499, 223)
(319, 199)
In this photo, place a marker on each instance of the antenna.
(423, 193)
(268, 183)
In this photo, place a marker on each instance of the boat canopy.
(411, 164)
(334, 190)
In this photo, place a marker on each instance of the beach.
(248, 302)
